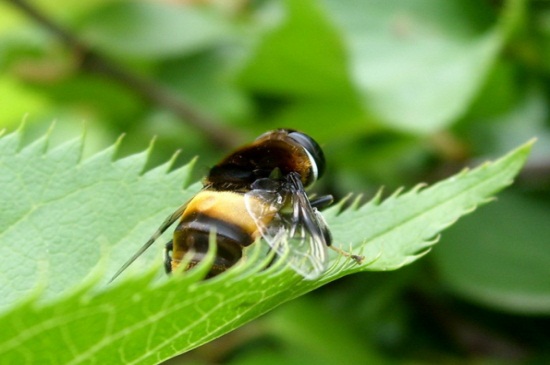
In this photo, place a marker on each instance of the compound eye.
(314, 152)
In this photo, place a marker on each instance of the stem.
(92, 61)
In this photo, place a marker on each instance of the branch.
(95, 62)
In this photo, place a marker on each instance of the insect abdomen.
(227, 214)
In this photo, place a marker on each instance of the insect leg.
(273, 259)
(167, 258)
(357, 258)
(321, 202)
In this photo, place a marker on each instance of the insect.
(258, 191)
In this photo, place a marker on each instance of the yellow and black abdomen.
(223, 211)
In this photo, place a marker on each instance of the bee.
(258, 191)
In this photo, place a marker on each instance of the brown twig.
(93, 61)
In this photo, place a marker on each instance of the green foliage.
(506, 273)
(75, 214)
(450, 57)
(146, 30)
(397, 92)
(61, 214)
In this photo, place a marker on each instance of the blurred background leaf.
(397, 92)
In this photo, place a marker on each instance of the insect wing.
(163, 227)
(299, 236)
(307, 239)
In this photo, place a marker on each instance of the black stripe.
(204, 223)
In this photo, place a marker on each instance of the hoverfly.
(255, 192)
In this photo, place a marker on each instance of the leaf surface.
(64, 215)
(417, 64)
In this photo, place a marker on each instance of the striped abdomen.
(226, 212)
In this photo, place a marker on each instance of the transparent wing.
(292, 227)
(163, 227)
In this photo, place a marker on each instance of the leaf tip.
(48, 135)
(172, 160)
(23, 124)
(116, 146)
(377, 198)
(527, 146)
(151, 146)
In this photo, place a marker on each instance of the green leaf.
(302, 60)
(203, 80)
(302, 56)
(417, 64)
(17, 101)
(152, 30)
(61, 216)
(420, 214)
(302, 325)
(506, 267)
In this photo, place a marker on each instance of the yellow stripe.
(226, 206)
